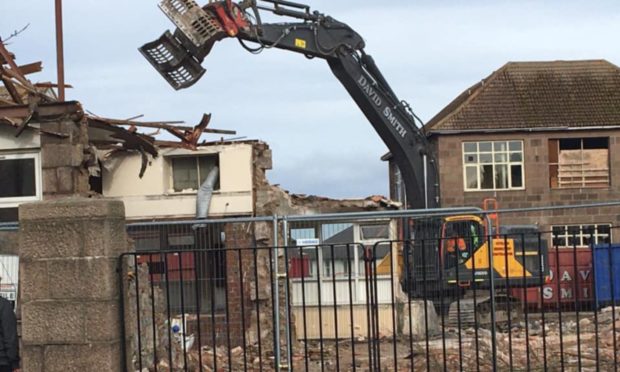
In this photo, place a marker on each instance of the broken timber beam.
(70, 109)
(8, 84)
(132, 141)
(30, 68)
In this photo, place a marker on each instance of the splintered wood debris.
(23, 103)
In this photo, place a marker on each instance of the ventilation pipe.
(205, 193)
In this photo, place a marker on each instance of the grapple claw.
(197, 24)
(173, 61)
(177, 57)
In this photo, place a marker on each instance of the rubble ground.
(573, 348)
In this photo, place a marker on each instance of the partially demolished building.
(51, 149)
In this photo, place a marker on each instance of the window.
(20, 179)
(579, 162)
(335, 267)
(374, 237)
(336, 252)
(460, 239)
(493, 165)
(369, 232)
(380, 256)
(303, 233)
(580, 236)
(188, 173)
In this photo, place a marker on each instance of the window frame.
(319, 274)
(478, 164)
(13, 202)
(567, 235)
(196, 157)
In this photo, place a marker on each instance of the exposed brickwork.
(240, 294)
(538, 192)
(62, 159)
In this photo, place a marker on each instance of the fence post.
(276, 295)
(492, 290)
(287, 299)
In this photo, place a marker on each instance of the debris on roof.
(189, 136)
(23, 103)
(14, 79)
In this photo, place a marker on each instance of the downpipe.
(204, 196)
(205, 193)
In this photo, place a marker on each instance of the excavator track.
(462, 313)
(470, 312)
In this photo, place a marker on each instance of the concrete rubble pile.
(562, 341)
(513, 349)
(164, 343)
(574, 348)
(220, 359)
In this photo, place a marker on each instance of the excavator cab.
(460, 237)
(450, 252)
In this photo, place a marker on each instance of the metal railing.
(359, 292)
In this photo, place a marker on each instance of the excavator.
(446, 257)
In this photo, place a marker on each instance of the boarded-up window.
(579, 162)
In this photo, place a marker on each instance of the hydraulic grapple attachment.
(173, 61)
(197, 24)
(177, 57)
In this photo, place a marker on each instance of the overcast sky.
(429, 51)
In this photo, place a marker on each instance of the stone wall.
(69, 288)
(62, 159)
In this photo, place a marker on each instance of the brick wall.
(230, 324)
(538, 192)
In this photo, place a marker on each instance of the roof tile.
(522, 95)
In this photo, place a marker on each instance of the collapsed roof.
(33, 106)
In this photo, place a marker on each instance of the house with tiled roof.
(534, 134)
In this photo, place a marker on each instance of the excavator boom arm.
(315, 36)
